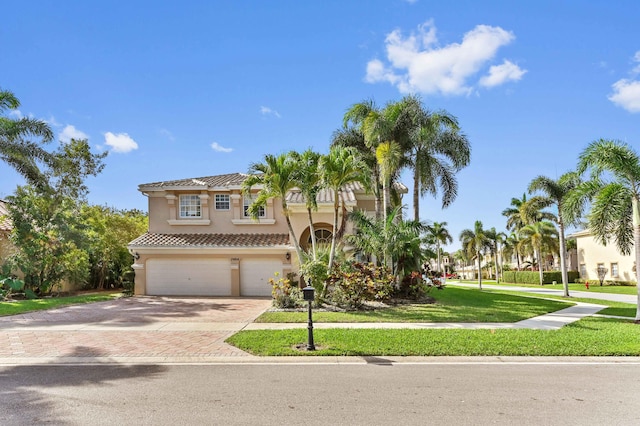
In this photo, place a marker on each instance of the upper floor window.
(222, 202)
(246, 202)
(190, 206)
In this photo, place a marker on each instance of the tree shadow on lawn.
(26, 396)
(142, 310)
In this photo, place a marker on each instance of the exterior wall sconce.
(287, 256)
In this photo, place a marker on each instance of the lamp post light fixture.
(308, 294)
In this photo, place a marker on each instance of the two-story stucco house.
(201, 242)
(593, 255)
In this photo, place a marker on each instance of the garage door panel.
(189, 277)
(255, 274)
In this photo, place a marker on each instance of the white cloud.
(626, 94)
(15, 113)
(219, 148)
(500, 74)
(167, 134)
(70, 132)
(418, 64)
(120, 142)
(268, 111)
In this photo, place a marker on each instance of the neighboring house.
(592, 255)
(201, 242)
(6, 247)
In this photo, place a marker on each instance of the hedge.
(533, 277)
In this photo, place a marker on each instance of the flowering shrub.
(285, 294)
(363, 282)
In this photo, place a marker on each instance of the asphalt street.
(373, 393)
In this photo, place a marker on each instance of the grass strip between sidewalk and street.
(16, 307)
(451, 305)
(587, 337)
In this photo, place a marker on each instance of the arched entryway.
(323, 233)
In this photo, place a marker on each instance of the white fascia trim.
(149, 251)
(253, 222)
(189, 222)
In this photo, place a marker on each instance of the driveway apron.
(132, 328)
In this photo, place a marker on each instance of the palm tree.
(540, 235)
(555, 192)
(435, 150)
(525, 211)
(475, 242)
(512, 245)
(388, 155)
(337, 169)
(495, 238)
(399, 240)
(307, 179)
(15, 148)
(440, 235)
(276, 177)
(614, 193)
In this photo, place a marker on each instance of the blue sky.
(197, 88)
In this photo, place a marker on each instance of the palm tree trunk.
(539, 254)
(332, 252)
(563, 261)
(416, 195)
(438, 249)
(636, 239)
(479, 272)
(312, 231)
(296, 243)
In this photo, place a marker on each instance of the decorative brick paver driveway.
(149, 327)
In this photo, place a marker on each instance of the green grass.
(24, 306)
(587, 337)
(616, 289)
(452, 305)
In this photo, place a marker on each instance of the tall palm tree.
(388, 155)
(494, 238)
(435, 150)
(540, 235)
(525, 211)
(555, 192)
(276, 177)
(474, 242)
(16, 149)
(307, 179)
(337, 169)
(440, 235)
(613, 191)
(512, 246)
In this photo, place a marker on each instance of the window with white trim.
(190, 206)
(246, 202)
(614, 270)
(222, 202)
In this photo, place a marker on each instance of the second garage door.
(255, 274)
(188, 277)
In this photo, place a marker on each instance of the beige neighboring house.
(201, 242)
(592, 255)
(6, 247)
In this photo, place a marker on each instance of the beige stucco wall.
(591, 253)
(164, 216)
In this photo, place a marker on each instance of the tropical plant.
(16, 149)
(307, 179)
(339, 168)
(475, 243)
(555, 192)
(435, 150)
(389, 156)
(495, 240)
(613, 191)
(540, 236)
(440, 235)
(276, 177)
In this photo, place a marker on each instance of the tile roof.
(151, 239)
(5, 222)
(231, 179)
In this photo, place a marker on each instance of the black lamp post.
(309, 294)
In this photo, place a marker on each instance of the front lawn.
(452, 305)
(23, 306)
(587, 337)
(593, 287)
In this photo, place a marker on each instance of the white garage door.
(255, 274)
(188, 277)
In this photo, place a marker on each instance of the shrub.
(285, 295)
(533, 277)
(361, 283)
